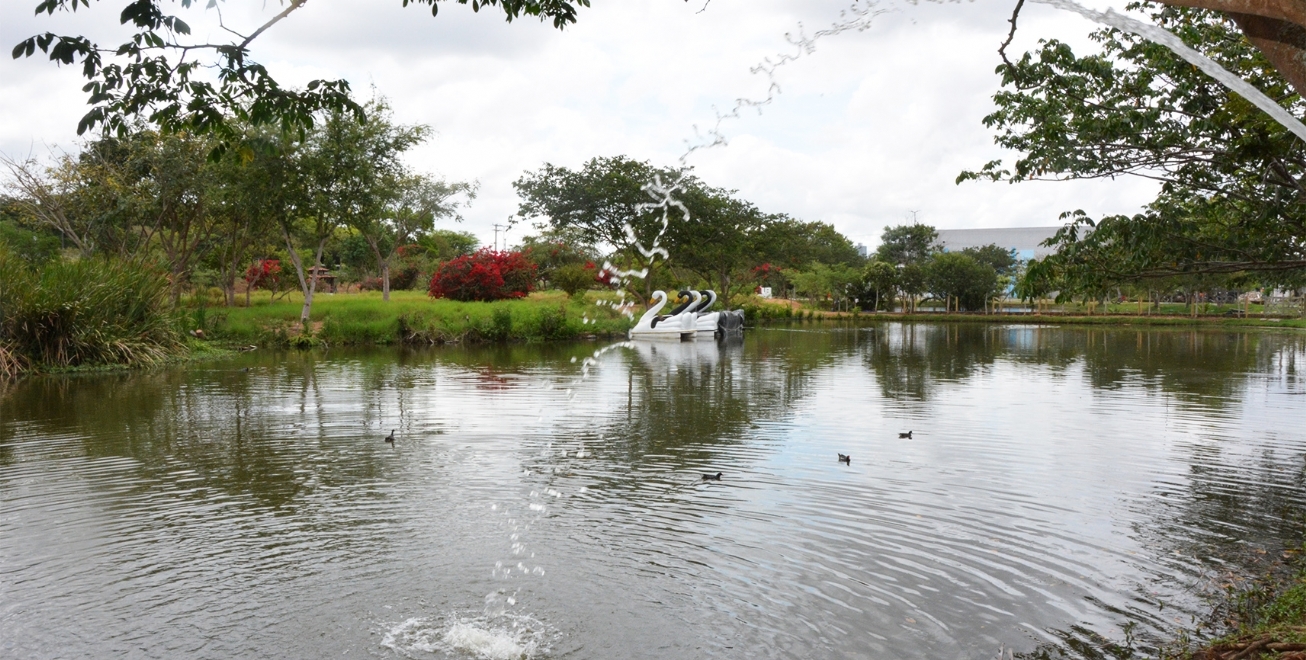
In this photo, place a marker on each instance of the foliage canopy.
(163, 75)
(1233, 182)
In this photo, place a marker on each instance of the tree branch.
(294, 4)
(1002, 50)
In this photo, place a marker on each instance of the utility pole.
(496, 235)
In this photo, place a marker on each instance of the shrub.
(483, 275)
(499, 327)
(264, 274)
(403, 278)
(575, 278)
(553, 323)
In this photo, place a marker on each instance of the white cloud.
(870, 126)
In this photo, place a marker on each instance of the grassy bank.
(1266, 618)
(84, 314)
(409, 317)
(762, 312)
(1113, 319)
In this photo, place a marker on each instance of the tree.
(147, 197)
(575, 278)
(553, 250)
(33, 246)
(596, 202)
(163, 75)
(953, 275)
(907, 244)
(446, 244)
(912, 282)
(790, 243)
(172, 186)
(1276, 27)
(718, 242)
(241, 213)
(1233, 194)
(603, 203)
(360, 182)
(76, 198)
(419, 201)
(1037, 282)
(819, 281)
(879, 279)
(1002, 260)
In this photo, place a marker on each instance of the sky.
(869, 130)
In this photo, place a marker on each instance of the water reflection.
(1063, 485)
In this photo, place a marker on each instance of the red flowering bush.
(484, 275)
(769, 275)
(264, 274)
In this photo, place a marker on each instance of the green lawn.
(408, 317)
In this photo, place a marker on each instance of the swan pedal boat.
(688, 321)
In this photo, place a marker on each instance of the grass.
(758, 310)
(83, 313)
(409, 317)
(1266, 618)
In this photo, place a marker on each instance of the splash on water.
(499, 636)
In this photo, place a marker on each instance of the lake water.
(1064, 488)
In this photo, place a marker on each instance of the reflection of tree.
(690, 404)
(1229, 517)
(909, 358)
(1196, 366)
(1229, 520)
(214, 428)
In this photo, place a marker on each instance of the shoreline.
(411, 318)
(1120, 320)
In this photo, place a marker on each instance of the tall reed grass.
(86, 312)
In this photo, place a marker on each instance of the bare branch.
(294, 4)
(1002, 50)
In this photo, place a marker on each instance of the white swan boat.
(677, 325)
(690, 320)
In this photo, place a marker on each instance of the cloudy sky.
(872, 126)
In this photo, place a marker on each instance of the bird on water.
(845, 458)
(712, 477)
(905, 435)
(391, 438)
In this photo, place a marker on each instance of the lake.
(1065, 490)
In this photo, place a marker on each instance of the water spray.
(857, 17)
(1208, 66)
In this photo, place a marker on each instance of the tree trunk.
(306, 285)
(1277, 27)
(382, 265)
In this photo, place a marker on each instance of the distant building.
(1026, 241)
(861, 249)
